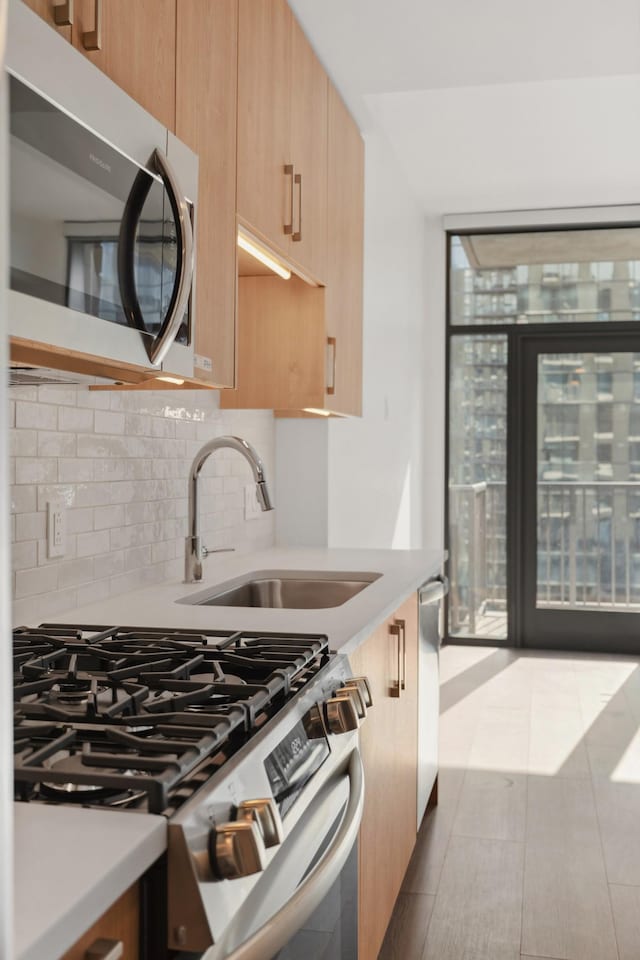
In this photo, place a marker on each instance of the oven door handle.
(160, 346)
(276, 932)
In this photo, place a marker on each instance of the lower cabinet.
(119, 924)
(389, 744)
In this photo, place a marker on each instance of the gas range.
(244, 741)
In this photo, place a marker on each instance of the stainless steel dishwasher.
(430, 597)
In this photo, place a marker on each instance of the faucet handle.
(205, 550)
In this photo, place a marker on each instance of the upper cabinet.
(134, 43)
(310, 356)
(282, 136)
(206, 91)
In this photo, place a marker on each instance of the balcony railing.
(589, 545)
(588, 550)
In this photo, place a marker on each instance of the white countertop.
(402, 572)
(71, 864)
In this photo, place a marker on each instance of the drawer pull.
(331, 366)
(92, 39)
(288, 172)
(63, 13)
(403, 629)
(298, 234)
(396, 685)
(103, 949)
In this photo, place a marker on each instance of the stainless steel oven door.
(306, 903)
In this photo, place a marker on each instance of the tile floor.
(534, 849)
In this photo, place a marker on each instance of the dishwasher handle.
(276, 932)
(433, 591)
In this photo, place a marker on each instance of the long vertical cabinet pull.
(396, 685)
(92, 39)
(298, 234)
(63, 13)
(288, 172)
(402, 624)
(331, 366)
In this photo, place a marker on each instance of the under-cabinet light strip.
(260, 254)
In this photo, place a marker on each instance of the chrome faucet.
(195, 552)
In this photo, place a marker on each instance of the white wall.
(302, 482)
(374, 463)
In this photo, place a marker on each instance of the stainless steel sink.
(285, 589)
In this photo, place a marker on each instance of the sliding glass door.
(581, 492)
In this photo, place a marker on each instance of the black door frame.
(591, 630)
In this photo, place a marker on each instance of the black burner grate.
(125, 717)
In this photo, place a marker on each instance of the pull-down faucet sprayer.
(195, 552)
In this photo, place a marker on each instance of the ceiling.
(495, 105)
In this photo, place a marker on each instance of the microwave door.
(155, 258)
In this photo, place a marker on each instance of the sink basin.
(285, 589)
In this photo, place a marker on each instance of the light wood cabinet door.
(389, 752)
(206, 90)
(45, 9)
(265, 191)
(281, 333)
(309, 89)
(137, 49)
(121, 922)
(345, 259)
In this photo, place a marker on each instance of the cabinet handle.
(63, 13)
(298, 234)
(92, 39)
(396, 686)
(331, 366)
(402, 624)
(288, 172)
(105, 950)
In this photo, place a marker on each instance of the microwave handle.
(276, 932)
(182, 287)
(161, 344)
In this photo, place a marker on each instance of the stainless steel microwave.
(102, 210)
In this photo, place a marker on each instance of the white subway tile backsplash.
(23, 443)
(80, 521)
(23, 499)
(39, 580)
(36, 470)
(79, 420)
(58, 394)
(52, 444)
(30, 526)
(90, 544)
(107, 517)
(74, 572)
(24, 555)
(119, 463)
(108, 422)
(37, 416)
(75, 470)
(91, 445)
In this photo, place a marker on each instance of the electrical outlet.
(251, 505)
(56, 530)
